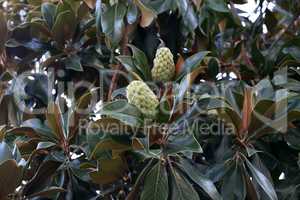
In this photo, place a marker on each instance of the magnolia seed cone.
(140, 95)
(164, 67)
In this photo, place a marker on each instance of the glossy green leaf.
(188, 13)
(45, 145)
(263, 181)
(123, 111)
(141, 62)
(5, 152)
(64, 27)
(185, 142)
(217, 5)
(112, 22)
(73, 62)
(98, 13)
(293, 138)
(156, 184)
(48, 12)
(44, 173)
(234, 177)
(293, 51)
(181, 189)
(213, 68)
(194, 174)
(192, 63)
(63, 7)
(35, 128)
(110, 126)
(128, 63)
(132, 13)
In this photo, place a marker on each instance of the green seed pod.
(164, 67)
(140, 95)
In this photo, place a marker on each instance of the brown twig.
(3, 60)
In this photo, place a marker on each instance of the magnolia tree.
(150, 99)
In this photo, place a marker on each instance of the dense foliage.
(149, 99)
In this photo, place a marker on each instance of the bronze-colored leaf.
(148, 15)
(55, 121)
(91, 3)
(10, 177)
(179, 64)
(137, 144)
(2, 132)
(109, 171)
(197, 3)
(247, 110)
(26, 147)
(24, 131)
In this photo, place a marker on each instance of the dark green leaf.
(156, 184)
(123, 111)
(132, 13)
(48, 12)
(188, 14)
(108, 144)
(194, 174)
(213, 68)
(184, 142)
(232, 179)
(293, 51)
(64, 27)
(98, 13)
(263, 181)
(40, 128)
(63, 7)
(141, 62)
(48, 193)
(112, 22)
(217, 5)
(293, 138)
(45, 145)
(181, 189)
(74, 62)
(128, 63)
(192, 63)
(41, 178)
(5, 152)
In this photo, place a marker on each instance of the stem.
(3, 60)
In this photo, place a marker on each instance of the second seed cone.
(164, 67)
